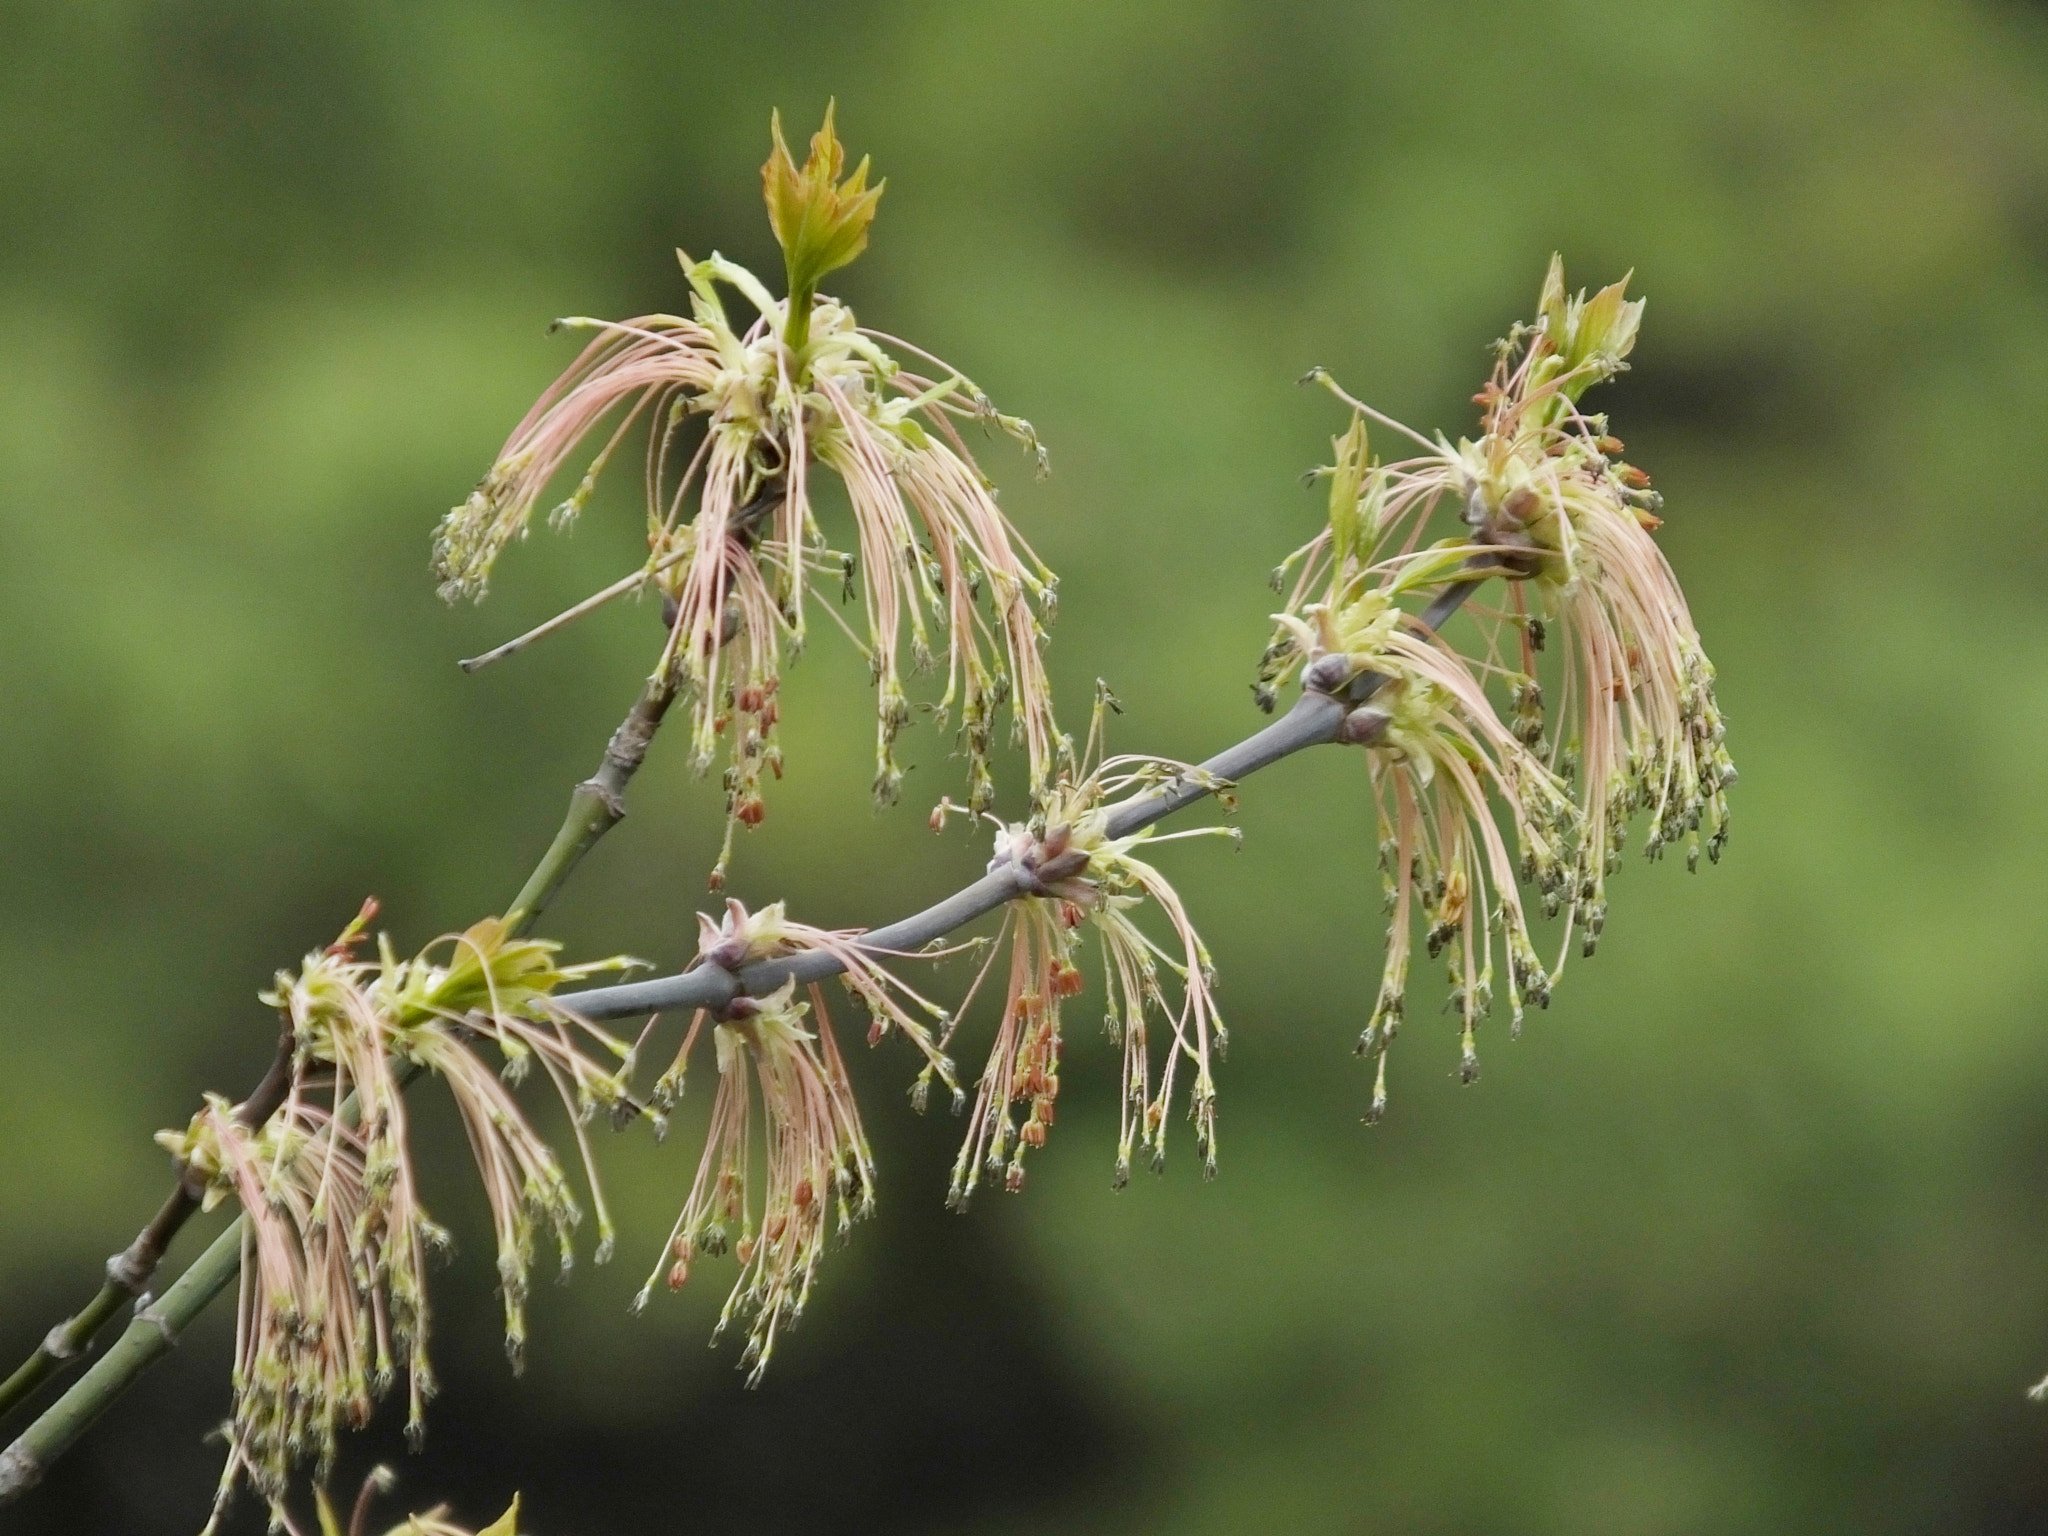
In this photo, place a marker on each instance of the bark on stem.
(598, 803)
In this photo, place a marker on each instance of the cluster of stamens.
(333, 1305)
(1546, 503)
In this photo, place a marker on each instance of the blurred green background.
(1748, 1233)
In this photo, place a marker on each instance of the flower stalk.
(811, 1148)
(1070, 871)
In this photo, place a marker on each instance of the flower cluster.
(734, 543)
(818, 1174)
(1075, 872)
(332, 1295)
(777, 1056)
(333, 1300)
(1547, 503)
(381, 1480)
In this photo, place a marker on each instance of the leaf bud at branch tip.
(820, 222)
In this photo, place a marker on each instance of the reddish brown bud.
(351, 936)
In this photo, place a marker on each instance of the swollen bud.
(1364, 727)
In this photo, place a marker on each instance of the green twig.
(129, 1271)
(597, 804)
(595, 808)
(147, 1339)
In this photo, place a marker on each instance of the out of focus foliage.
(1748, 1233)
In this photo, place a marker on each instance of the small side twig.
(129, 1271)
(595, 807)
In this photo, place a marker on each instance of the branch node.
(131, 1268)
(19, 1471)
(613, 802)
(1039, 878)
(146, 1312)
(59, 1345)
(628, 747)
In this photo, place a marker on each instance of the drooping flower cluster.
(1442, 759)
(332, 1296)
(777, 1056)
(801, 386)
(333, 1300)
(818, 1176)
(430, 1522)
(1547, 503)
(1075, 872)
